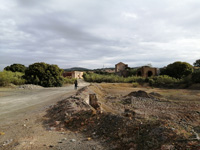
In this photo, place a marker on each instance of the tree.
(177, 69)
(131, 71)
(16, 68)
(44, 74)
(196, 76)
(197, 63)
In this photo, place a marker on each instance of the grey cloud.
(96, 33)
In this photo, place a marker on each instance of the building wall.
(77, 74)
(67, 74)
(73, 74)
(147, 71)
(120, 67)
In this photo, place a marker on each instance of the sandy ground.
(21, 120)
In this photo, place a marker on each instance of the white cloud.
(128, 15)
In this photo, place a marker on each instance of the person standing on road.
(75, 84)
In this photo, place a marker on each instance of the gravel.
(30, 86)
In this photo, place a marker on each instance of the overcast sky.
(97, 33)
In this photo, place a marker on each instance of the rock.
(52, 128)
(57, 122)
(93, 101)
(197, 129)
(72, 140)
(7, 142)
(167, 147)
(2, 133)
(89, 138)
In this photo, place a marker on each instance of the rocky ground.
(130, 119)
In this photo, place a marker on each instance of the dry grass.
(179, 108)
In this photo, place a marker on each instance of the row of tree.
(51, 75)
(39, 74)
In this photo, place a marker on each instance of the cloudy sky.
(97, 33)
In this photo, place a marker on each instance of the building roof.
(121, 63)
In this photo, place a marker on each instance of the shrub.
(135, 84)
(69, 80)
(196, 76)
(44, 74)
(187, 81)
(164, 81)
(92, 77)
(7, 77)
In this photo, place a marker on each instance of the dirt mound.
(66, 110)
(155, 94)
(30, 86)
(115, 131)
(118, 132)
(140, 93)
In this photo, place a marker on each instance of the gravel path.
(17, 102)
(22, 120)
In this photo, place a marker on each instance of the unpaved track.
(22, 121)
(17, 103)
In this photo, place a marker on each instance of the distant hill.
(76, 69)
(104, 68)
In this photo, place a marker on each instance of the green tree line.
(48, 75)
(42, 74)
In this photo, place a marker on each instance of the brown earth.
(132, 118)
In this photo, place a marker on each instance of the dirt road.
(22, 120)
(18, 102)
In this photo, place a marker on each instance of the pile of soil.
(140, 93)
(30, 86)
(74, 107)
(115, 131)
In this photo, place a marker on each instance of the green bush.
(177, 70)
(7, 77)
(196, 76)
(135, 84)
(44, 74)
(164, 81)
(69, 80)
(92, 77)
